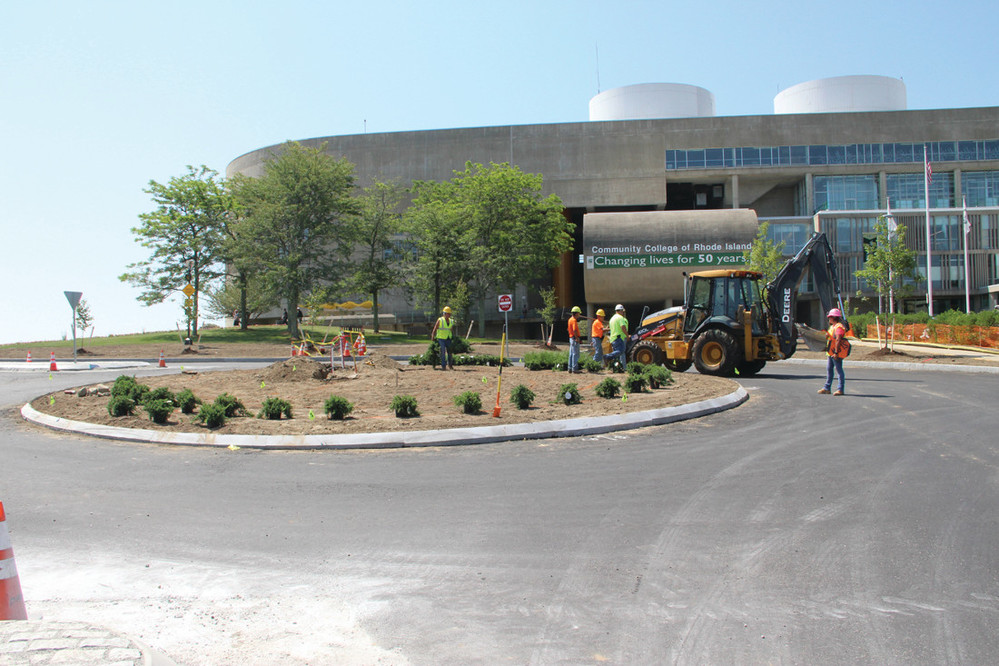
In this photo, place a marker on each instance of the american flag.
(929, 172)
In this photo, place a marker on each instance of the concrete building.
(829, 160)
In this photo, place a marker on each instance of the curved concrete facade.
(842, 94)
(648, 252)
(652, 100)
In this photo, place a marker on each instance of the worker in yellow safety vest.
(442, 333)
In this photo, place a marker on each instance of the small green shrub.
(608, 388)
(658, 376)
(128, 387)
(161, 393)
(231, 405)
(636, 383)
(469, 401)
(522, 396)
(569, 394)
(212, 415)
(587, 363)
(187, 401)
(273, 408)
(120, 405)
(337, 408)
(159, 409)
(404, 406)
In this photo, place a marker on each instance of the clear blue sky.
(98, 98)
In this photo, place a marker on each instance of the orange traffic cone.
(162, 360)
(11, 599)
(52, 363)
(29, 357)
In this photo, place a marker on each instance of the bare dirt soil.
(303, 382)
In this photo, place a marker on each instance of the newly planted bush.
(273, 408)
(231, 405)
(158, 409)
(636, 383)
(187, 401)
(522, 396)
(120, 405)
(212, 415)
(128, 387)
(337, 408)
(569, 394)
(161, 393)
(404, 406)
(608, 388)
(469, 401)
(658, 376)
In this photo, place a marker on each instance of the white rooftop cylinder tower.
(652, 100)
(843, 94)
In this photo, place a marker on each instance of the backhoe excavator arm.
(782, 293)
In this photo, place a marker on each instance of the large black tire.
(716, 353)
(646, 352)
(678, 364)
(750, 368)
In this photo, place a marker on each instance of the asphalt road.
(797, 528)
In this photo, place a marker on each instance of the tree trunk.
(482, 317)
(292, 298)
(374, 309)
(243, 315)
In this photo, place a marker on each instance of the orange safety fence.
(969, 336)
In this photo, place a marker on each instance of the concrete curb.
(382, 440)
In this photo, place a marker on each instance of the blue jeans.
(834, 363)
(598, 349)
(573, 354)
(617, 353)
(446, 355)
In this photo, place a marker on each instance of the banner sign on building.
(641, 257)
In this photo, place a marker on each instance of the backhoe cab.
(730, 323)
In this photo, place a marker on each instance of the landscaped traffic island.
(304, 386)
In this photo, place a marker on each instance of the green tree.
(441, 261)
(890, 267)
(508, 233)
(299, 222)
(84, 319)
(247, 297)
(764, 256)
(185, 235)
(379, 228)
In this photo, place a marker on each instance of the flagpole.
(967, 230)
(929, 261)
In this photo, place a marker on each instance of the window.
(846, 192)
(980, 188)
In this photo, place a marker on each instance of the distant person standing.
(574, 339)
(836, 351)
(284, 317)
(442, 333)
(597, 336)
(618, 338)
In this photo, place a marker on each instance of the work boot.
(837, 392)
(824, 391)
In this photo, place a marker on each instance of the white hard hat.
(618, 307)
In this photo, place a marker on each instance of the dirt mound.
(302, 368)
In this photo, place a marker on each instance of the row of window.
(846, 236)
(905, 190)
(853, 153)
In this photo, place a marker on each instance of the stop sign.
(505, 302)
